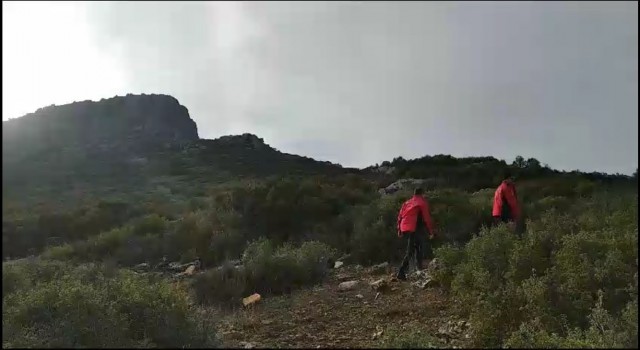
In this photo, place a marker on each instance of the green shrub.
(337, 232)
(545, 204)
(89, 306)
(22, 274)
(455, 217)
(604, 332)
(375, 236)
(227, 239)
(274, 271)
(591, 261)
(266, 270)
(152, 223)
(225, 285)
(450, 259)
(539, 290)
(32, 233)
(61, 252)
(396, 337)
(190, 237)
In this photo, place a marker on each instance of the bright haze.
(351, 82)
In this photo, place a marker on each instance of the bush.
(451, 259)
(604, 332)
(398, 338)
(266, 270)
(61, 252)
(30, 234)
(375, 236)
(152, 223)
(539, 290)
(24, 274)
(455, 217)
(275, 271)
(225, 286)
(93, 306)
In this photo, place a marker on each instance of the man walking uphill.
(505, 203)
(414, 220)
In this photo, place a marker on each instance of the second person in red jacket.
(414, 223)
(505, 203)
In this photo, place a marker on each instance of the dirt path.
(323, 316)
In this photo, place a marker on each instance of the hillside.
(128, 144)
(122, 228)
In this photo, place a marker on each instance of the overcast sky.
(351, 82)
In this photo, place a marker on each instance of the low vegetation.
(54, 304)
(569, 281)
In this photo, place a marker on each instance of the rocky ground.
(355, 307)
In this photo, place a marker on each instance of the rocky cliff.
(129, 144)
(118, 123)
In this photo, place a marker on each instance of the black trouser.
(416, 244)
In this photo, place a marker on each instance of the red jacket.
(408, 216)
(505, 201)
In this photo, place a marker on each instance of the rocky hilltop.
(130, 143)
(117, 123)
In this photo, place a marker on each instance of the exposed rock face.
(249, 141)
(411, 184)
(111, 140)
(389, 170)
(115, 123)
(123, 144)
(401, 184)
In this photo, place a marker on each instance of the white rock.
(348, 285)
(247, 345)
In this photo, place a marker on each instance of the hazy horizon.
(351, 82)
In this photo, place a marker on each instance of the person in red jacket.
(413, 220)
(505, 202)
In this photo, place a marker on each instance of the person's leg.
(419, 243)
(409, 237)
(428, 248)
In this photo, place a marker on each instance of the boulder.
(380, 285)
(175, 266)
(246, 345)
(422, 279)
(346, 259)
(401, 184)
(252, 299)
(142, 266)
(344, 277)
(190, 270)
(348, 285)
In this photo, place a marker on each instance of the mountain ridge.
(133, 139)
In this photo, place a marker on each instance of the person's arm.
(497, 203)
(426, 216)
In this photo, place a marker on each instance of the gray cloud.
(359, 83)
